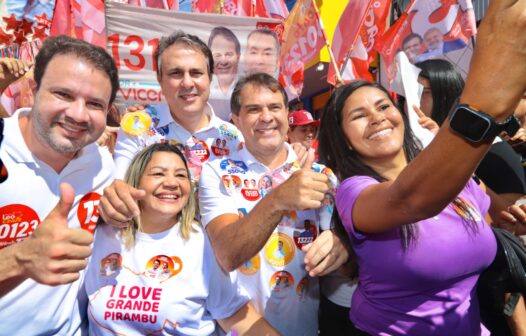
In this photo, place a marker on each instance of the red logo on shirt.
(17, 222)
(250, 194)
(200, 149)
(88, 211)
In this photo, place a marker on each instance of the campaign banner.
(303, 38)
(346, 39)
(240, 45)
(428, 30)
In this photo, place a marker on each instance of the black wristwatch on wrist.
(477, 126)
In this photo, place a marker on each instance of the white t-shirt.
(275, 278)
(219, 101)
(30, 192)
(219, 138)
(164, 284)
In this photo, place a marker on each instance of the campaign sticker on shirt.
(281, 174)
(249, 190)
(162, 267)
(219, 147)
(281, 281)
(302, 288)
(465, 209)
(307, 236)
(88, 211)
(265, 185)
(18, 222)
(231, 183)
(225, 130)
(136, 123)
(288, 219)
(233, 166)
(110, 264)
(252, 266)
(200, 149)
(279, 249)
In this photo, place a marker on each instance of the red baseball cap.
(302, 117)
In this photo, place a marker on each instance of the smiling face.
(184, 80)
(167, 185)
(304, 134)
(226, 58)
(373, 127)
(71, 104)
(263, 121)
(261, 54)
(433, 39)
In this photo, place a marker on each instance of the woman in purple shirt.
(416, 220)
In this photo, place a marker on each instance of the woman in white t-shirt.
(164, 278)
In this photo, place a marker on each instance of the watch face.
(471, 125)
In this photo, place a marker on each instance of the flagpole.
(221, 6)
(327, 44)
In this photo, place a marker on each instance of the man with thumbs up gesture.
(53, 176)
(274, 231)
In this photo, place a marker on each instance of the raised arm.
(235, 240)
(440, 172)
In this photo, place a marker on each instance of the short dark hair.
(259, 80)
(65, 45)
(227, 34)
(410, 37)
(266, 31)
(446, 86)
(187, 40)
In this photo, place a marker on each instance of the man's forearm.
(235, 243)
(11, 273)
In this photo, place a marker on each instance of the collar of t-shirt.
(249, 159)
(165, 117)
(17, 148)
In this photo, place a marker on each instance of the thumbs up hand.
(54, 254)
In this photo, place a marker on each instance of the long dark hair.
(446, 86)
(335, 153)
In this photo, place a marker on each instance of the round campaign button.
(17, 222)
(252, 266)
(136, 123)
(279, 249)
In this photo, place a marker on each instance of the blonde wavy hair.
(135, 171)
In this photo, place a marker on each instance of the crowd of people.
(249, 219)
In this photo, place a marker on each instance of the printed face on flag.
(428, 30)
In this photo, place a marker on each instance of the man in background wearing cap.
(303, 128)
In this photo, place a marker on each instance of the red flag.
(427, 30)
(303, 38)
(277, 9)
(347, 33)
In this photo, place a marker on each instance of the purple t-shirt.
(430, 288)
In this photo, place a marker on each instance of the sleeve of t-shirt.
(225, 296)
(346, 196)
(481, 198)
(126, 148)
(213, 199)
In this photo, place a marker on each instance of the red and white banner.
(346, 35)
(134, 33)
(428, 30)
(363, 54)
(303, 38)
(231, 7)
(277, 9)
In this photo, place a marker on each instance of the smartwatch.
(477, 126)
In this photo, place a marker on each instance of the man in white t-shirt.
(263, 236)
(46, 225)
(184, 71)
